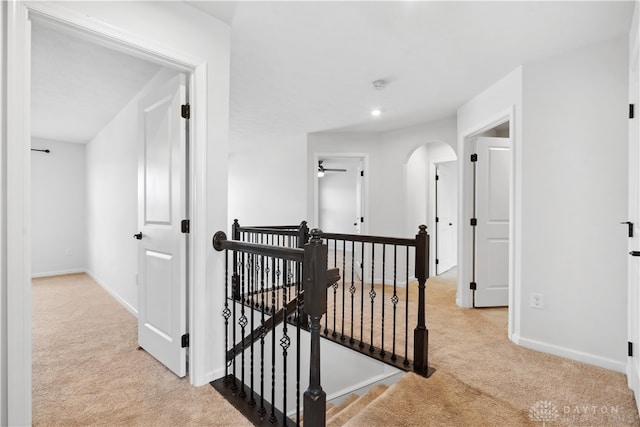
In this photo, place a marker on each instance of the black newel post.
(315, 306)
(421, 334)
(235, 279)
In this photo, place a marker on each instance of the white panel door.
(633, 271)
(492, 230)
(447, 206)
(161, 207)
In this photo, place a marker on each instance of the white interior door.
(633, 367)
(162, 272)
(492, 230)
(447, 207)
(359, 205)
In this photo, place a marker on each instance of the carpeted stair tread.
(339, 407)
(440, 400)
(356, 406)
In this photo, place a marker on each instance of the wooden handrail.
(220, 243)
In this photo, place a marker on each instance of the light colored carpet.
(482, 378)
(87, 369)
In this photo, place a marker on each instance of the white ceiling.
(77, 86)
(300, 67)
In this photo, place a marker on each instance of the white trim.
(113, 293)
(580, 356)
(464, 294)
(19, 400)
(58, 273)
(633, 379)
(18, 217)
(365, 166)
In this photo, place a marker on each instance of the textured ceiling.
(78, 87)
(300, 67)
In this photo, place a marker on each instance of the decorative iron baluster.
(352, 288)
(344, 260)
(285, 341)
(384, 254)
(394, 300)
(236, 287)
(361, 345)
(372, 295)
(276, 273)
(262, 409)
(253, 270)
(243, 323)
(406, 313)
(298, 327)
(335, 287)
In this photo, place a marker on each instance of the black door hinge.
(474, 222)
(186, 111)
(437, 261)
(185, 341)
(437, 178)
(437, 219)
(474, 157)
(185, 225)
(473, 286)
(631, 111)
(630, 349)
(361, 173)
(361, 219)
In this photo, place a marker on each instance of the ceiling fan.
(322, 169)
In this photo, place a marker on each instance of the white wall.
(112, 201)
(569, 135)
(267, 181)
(58, 195)
(574, 188)
(385, 173)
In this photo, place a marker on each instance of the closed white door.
(446, 206)
(492, 229)
(162, 247)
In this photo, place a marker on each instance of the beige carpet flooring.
(87, 371)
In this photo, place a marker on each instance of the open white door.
(633, 323)
(162, 272)
(447, 217)
(492, 229)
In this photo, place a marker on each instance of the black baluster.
(361, 345)
(226, 313)
(243, 323)
(236, 286)
(298, 327)
(262, 409)
(406, 313)
(272, 417)
(384, 254)
(372, 295)
(285, 342)
(335, 288)
(394, 301)
(344, 261)
(352, 288)
(252, 282)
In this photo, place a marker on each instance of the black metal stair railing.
(269, 290)
(378, 306)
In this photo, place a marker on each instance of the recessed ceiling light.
(376, 112)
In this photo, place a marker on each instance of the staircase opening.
(286, 287)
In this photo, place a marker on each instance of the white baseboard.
(580, 356)
(114, 294)
(58, 273)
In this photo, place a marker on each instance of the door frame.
(365, 190)
(464, 296)
(17, 271)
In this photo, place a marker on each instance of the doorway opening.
(488, 219)
(340, 185)
(446, 214)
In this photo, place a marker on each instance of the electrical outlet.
(537, 301)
